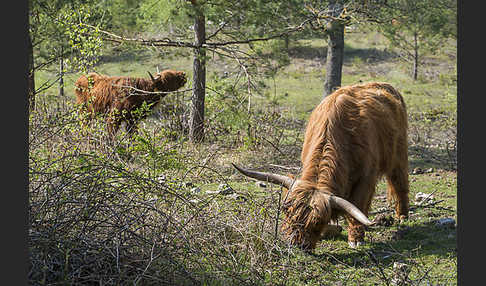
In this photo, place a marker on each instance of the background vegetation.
(158, 209)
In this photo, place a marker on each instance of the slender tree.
(31, 74)
(196, 125)
(417, 27)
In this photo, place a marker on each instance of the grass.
(146, 212)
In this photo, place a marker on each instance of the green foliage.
(273, 54)
(166, 16)
(153, 151)
(120, 15)
(416, 28)
(59, 34)
(85, 43)
(225, 106)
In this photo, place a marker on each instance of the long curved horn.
(151, 76)
(340, 203)
(267, 177)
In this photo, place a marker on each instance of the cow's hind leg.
(398, 189)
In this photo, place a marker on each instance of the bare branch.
(153, 92)
(165, 42)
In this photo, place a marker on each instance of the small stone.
(261, 184)
(161, 179)
(446, 222)
(402, 267)
(224, 189)
(420, 197)
(195, 190)
(222, 186)
(237, 197)
(417, 171)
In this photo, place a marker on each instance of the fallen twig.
(414, 207)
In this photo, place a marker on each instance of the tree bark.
(196, 125)
(335, 51)
(415, 56)
(30, 75)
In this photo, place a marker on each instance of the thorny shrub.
(433, 136)
(116, 212)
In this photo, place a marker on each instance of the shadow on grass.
(428, 157)
(404, 243)
(308, 52)
(369, 55)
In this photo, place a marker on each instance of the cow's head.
(168, 80)
(307, 209)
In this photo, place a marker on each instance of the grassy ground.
(150, 211)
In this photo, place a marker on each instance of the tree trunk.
(287, 43)
(61, 75)
(335, 51)
(415, 56)
(196, 125)
(30, 76)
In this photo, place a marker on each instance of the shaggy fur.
(353, 137)
(113, 97)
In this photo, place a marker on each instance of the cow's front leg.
(356, 233)
(361, 197)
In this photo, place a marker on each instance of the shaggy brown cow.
(118, 96)
(353, 137)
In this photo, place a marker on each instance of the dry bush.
(101, 212)
(433, 137)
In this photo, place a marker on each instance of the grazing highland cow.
(353, 137)
(118, 96)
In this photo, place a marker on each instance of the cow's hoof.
(355, 244)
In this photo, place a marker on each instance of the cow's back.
(359, 126)
(384, 125)
(84, 84)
